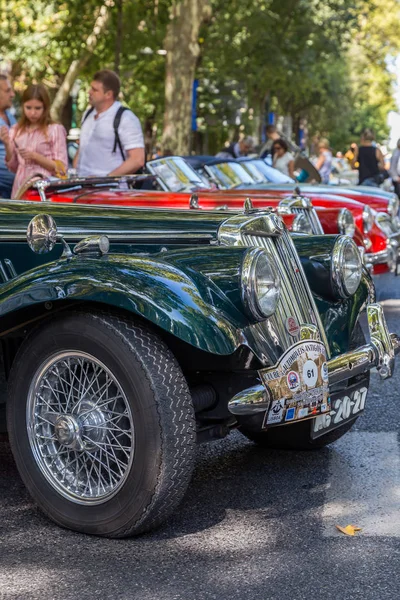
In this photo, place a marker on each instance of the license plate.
(345, 406)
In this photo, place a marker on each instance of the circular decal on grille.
(293, 381)
(292, 326)
(324, 372)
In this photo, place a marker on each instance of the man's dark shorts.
(5, 190)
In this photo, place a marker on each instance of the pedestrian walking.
(283, 159)
(111, 141)
(241, 148)
(35, 145)
(324, 160)
(394, 170)
(7, 119)
(371, 166)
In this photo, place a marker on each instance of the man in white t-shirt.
(111, 140)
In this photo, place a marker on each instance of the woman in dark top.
(370, 161)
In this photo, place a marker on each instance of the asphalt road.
(254, 524)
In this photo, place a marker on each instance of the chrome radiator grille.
(296, 298)
(312, 218)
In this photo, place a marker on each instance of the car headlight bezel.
(346, 224)
(393, 206)
(254, 261)
(345, 250)
(368, 218)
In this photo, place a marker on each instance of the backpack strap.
(87, 113)
(117, 121)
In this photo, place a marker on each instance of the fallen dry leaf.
(349, 529)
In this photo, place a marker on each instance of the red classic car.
(298, 213)
(378, 229)
(255, 174)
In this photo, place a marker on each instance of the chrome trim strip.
(3, 272)
(10, 267)
(126, 235)
(259, 224)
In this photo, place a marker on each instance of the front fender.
(339, 315)
(146, 286)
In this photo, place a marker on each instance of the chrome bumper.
(389, 256)
(379, 353)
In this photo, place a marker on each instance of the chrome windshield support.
(41, 186)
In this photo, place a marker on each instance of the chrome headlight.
(302, 224)
(260, 284)
(346, 267)
(346, 223)
(368, 218)
(393, 206)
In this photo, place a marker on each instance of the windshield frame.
(179, 169)
(272, 174)
(229, 175)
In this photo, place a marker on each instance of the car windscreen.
(229, 175)
(255, 171)
(175, 175)
(272, 175)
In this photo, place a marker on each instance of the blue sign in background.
(194, 104)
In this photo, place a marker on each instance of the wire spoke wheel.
(101, 423)
(80, 427)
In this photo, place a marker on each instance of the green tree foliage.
(325, 62)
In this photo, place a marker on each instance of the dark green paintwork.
(192, 290)
(338, 317)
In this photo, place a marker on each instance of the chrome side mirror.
(41, 234)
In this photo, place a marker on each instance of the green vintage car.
(130, 335)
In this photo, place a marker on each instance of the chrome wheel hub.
(67, 432)
(80, 427)
(82, 430)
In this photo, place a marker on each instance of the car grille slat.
(296, 297)
(312, 218)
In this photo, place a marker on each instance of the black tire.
(297, 436)
(157, 400)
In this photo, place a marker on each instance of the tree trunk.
(119, 36)
(181, 44)
(77, 65)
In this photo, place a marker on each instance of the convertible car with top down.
(375, 215)
(130, 335)
(185, 189)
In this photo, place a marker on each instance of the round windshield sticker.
(324, 372)
(310, 373)
(292, 326)
(293, 381)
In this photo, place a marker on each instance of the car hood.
(367, 195)
(76, 221)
